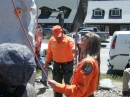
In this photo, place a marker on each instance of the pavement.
(42, 91)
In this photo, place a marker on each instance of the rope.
(28, 38)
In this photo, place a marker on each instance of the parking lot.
(105, 46)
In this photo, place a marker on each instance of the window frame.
(115, 12)
(98, 11)
(125, 27)
(45, 11)
(98, 26)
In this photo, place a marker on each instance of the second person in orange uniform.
(86, 76)
(60, 50)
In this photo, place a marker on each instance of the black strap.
(62, 71)
(59, 63)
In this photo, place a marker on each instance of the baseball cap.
(16, 63)
(57, 31)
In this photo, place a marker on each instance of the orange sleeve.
(49, 52)
(85, 85)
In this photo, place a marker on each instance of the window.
(115, 12)
(97, 12)
(65, 11)
(45, 12)
(98, 26)
(125, 27)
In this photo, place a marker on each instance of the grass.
(39, 73)
(115, 78)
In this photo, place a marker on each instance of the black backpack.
(18, 92)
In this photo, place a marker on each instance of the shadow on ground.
(127, 95)
(41, 91)
(115, 72)
(103, 45)
(105, 41)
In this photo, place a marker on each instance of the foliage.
(39, 73)
(116, 78)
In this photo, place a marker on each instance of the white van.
(119, 50)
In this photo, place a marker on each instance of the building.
(108, 15)
(48, 13)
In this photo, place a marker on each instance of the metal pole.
(37, 11)
(76, 57)
(76, 34)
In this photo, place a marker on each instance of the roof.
(106, 6)
(72, 4)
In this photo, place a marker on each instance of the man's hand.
(75, 51)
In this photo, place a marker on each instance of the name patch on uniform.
(87, 68)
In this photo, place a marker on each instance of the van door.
(122, 50)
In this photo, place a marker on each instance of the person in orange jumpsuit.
(61, 50)
(85, 78)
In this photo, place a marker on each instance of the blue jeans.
(42, 62)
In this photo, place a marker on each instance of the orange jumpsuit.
(84, 83)
(60, 52)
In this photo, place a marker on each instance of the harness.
(62, 71)
(61, 67)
